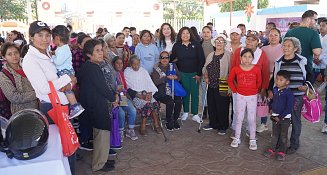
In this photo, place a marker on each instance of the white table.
(51, 162)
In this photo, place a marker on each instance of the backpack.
(5, 110)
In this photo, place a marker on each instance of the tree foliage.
(240, 5)
(185, 9)
(13, 9)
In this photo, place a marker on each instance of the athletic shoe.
(290, 150)
(116, 147)
(324, 128)
(253, 145)
(87, 146)
(197, 118)
(112, 152)
(170, 126)
(176, 125)
(269, 153)
(262, 128)
(207, 128)
(222, 132)
(185, 116)
(107, 168)
(76, 110)
(280, 156)
(130, 133)
(235, 143)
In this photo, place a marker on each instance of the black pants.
(280, 134)
(172, 106)
(218, 108)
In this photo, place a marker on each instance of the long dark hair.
(179, 35)
(162, 37)
(195, 34)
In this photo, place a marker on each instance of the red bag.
(59, 115)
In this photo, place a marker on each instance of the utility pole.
(36, 13)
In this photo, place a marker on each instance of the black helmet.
(27, 134)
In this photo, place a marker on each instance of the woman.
(135, 41)
(39, 70)
(167, 38)
(146, 51)
(123, 48)
(216, 70)
(207, 49)
(18, 38)
(260, 59)
(160, 76)
(16, 88)
(295, 64)
(97, 98)
(195, 33)
(112, 50)
(141, 90)
(126, 104)
(189, 57)
(273, 51)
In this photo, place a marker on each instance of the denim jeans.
(296, 122)
(130, 109)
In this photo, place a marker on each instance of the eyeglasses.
(219, 41)
(164, 57)
(253, 33)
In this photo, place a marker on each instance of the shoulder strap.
(9, 75)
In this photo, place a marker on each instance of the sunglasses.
(164, 57)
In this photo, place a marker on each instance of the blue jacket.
(283, 102)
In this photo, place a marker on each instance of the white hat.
(219, 36)
(235, 30)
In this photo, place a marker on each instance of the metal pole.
(36, 13)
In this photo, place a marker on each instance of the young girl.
(245, 80)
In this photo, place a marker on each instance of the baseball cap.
(219, 36)
(37, 26)
(235, 30)
(253, 34)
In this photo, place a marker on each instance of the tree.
(240, 5)
(13, 9)
(185, 9)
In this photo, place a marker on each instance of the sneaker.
(253, 145)
(116, 147)
(280, 156)
(207, 128)
(107, 168)
(222, 132)
(111, 162)
(290, 150)
(232, 135)
(197, 118)
(130, 133)
(176, 125)
(87, 146)
(185, 116)
(324, 128)
(121, 132)
(76, 110)
(235, 143)
(269, 153)
(170, 126)
(262, 128)
(112, 152)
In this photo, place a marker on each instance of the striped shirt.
(297, 79)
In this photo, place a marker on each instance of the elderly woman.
(293, 62)
(14, 83)
(216, 70)
(189, 57)
(97, 98)
(273, 51)
(39, 70)
(173, 104)
(147, 52)
(141, 89)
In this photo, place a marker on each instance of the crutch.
(203, 103)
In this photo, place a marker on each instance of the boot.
(142, 127)
(205, 113)
(156, 122)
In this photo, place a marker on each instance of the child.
(63, 61)
(282, 106)
(245, 80)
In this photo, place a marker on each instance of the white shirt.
(323, 55)
(139, 80)
(169, 46)
(40, 70)
(129, 41)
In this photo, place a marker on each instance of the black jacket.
(95, 95)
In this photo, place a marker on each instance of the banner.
(283, 23)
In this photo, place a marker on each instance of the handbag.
(223, 86)
(59, 115)
(262, 106)
(178, 88)
(312, 107)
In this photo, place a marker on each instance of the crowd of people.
(130, 74)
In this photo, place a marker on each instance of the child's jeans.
(130, 109)
(69, 72)
(280, 134)
(249, 104)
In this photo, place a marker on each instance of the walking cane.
(201, 116)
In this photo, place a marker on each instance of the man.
(323, 59)
(311, 49)
(132, 31)
(214, 32)
(243, 34)
(128, 39)
(235, 39)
